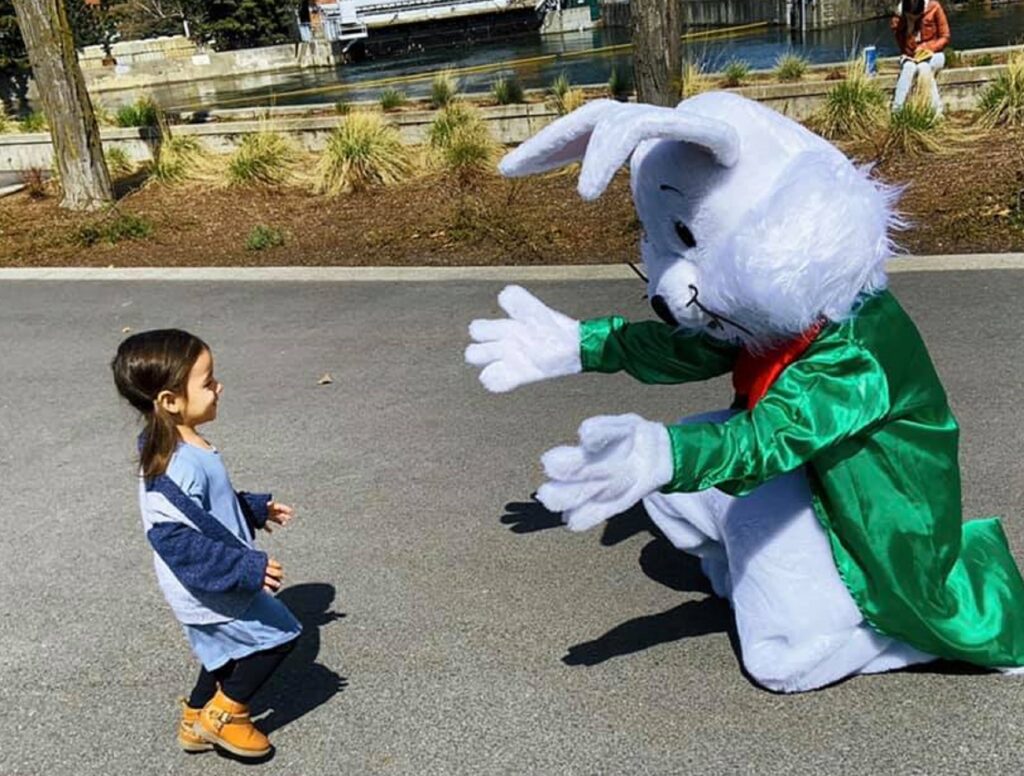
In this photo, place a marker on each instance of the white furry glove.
(620, 459)
(533, 343)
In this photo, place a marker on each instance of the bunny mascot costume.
(825, 504)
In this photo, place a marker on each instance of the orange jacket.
(932, 26)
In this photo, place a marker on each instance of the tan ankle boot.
(189, 740)
(226, 723)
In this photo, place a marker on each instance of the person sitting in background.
(922, 32)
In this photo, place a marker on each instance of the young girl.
(202, 531)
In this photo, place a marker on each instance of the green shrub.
(34, 122)
(122, 226)
(364, 150)
(790, 67)
(1002, 102)
(620, 85)
(141, 113)
(263, 158)
(507, 90)
(118, 162)
(985, 60)
(735, 73)
(6, 125)
(443, 89)
(262, 237)
(392, 99)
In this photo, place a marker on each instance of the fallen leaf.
(126, 329)
(326, 379)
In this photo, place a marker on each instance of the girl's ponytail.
(159, 439)
(147, 364)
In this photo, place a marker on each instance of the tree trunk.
(76, 136)
(657, 27)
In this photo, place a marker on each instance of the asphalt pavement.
(451, 625)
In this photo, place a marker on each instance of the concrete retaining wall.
(509, 124)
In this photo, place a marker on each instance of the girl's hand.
(273, 576)
(281, 514)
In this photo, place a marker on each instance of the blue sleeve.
(254, 507)
(204, 564)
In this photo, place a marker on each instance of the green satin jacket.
(864, 410)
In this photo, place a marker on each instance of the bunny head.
(754, 228)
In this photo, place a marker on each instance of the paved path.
(451, 626)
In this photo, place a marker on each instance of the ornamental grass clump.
(790, 68)
(178, 158)
(693, 80)
(471, 151)
(507, 90)
(392, 99)
(118, 162)
(444, 89)
(735, 73)
(854, 108)
(564, 97)
(363, 151)
(447, 120)
(1002, 103)
(914, 129)
(262, 159)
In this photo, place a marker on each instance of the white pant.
(928, 70)
(798, 626)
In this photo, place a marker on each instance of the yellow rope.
(741, 29)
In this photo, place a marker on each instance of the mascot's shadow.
(661, 562)
(674, 569)
(301, 684)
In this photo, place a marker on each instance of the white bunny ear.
(562, 142)
(616, 137)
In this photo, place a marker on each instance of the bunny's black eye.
(684, 233)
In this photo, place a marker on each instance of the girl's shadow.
(301, 684)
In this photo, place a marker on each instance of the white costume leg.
(798, 626)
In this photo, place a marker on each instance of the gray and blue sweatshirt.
(202, 533)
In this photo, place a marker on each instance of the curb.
(955, 263)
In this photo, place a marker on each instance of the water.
(972, 27)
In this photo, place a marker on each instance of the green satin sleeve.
(836, 390)
(651, 351)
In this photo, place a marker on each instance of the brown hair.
(146, 364)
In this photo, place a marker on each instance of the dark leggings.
(239, 679)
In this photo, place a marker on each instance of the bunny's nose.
(662, 310)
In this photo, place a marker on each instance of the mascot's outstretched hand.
(532, 344)
(620, 459)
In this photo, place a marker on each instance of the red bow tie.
(754, 373)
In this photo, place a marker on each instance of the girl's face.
(201, 392)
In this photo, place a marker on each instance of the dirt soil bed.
(966, 201)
